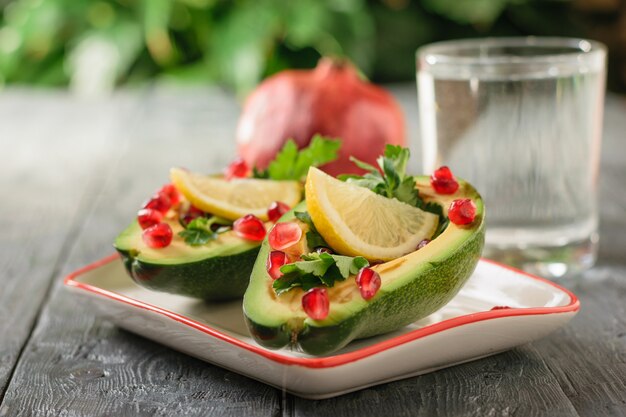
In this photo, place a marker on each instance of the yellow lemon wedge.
(358, 222)
(234, 198)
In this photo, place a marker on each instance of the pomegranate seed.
(237, 169)
(284, 235)
(368, 282)
(274, 262)
(500, 308)
(249, 227)
(315, 303)
(195, 211)
(170, 191)
(192, 214)
(462, 211)
(443, 181)
(159, 202)
(149, 217)
(157, 236)
(423, 243)
(276, 211)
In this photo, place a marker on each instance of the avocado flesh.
(219, 270)
(413, 287)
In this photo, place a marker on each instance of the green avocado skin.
(421, 296)
(213, 279)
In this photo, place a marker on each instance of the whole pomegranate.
(331, 100)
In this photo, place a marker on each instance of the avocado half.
(219, 270)
(413, 287)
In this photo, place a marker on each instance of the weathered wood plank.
(511, 383)
(53, 150)
(83, 366)
(589, 357)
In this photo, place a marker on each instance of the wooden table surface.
(73, 172)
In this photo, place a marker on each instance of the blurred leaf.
(99, 58)
(477, 12)
(196, 73)
(156, 16)
(239, 42)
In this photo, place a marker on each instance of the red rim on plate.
(340, 359)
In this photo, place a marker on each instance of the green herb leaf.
(196, 237)
(441, 227)
(433, 208)
(260, 174)
(313, 238)
(392, 177)
(287, 282)
(372, 182)
(316, 265)
(363, 165)
(317, 269)
(348, 265)
(282, 167)
(291, 164)
(346, 177)
(407, 192)
(393, 182)
(304, 217)
(399, 156)
(198, 232)
(438, 210)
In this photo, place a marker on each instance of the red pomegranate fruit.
(331, 100)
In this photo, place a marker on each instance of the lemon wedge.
(358, 222)
(237, 197)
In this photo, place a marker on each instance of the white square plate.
(465, 329)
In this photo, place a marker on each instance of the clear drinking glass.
(521, 118)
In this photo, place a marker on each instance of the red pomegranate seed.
(159, 202)
(368, 282)
(249, 227)
(192, 214)
(237, 169)
(274, 262)
(276, 211)
(423, 243)
(284, 235)
(149, 217)
(462, 211)
(157, 236)
(315, 303)
(170, 191)
(443, 181)
(500, 308)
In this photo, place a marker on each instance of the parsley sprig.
(293, 164)
(389, 179)
(200, 231)
(317, 269)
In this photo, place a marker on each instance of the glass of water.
(521, 119)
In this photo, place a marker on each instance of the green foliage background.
(239, 42)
